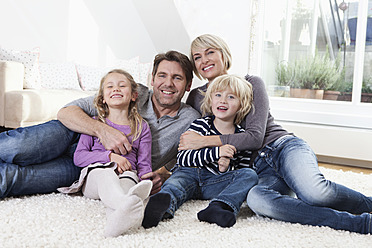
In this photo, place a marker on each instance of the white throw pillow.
(90, 76)
(59, 76)
(145, 73)
(131, 66)
(30, 60)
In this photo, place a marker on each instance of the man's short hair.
(178, 57)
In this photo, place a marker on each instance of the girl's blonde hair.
(239, 86)
(206, 41)
(103, 110)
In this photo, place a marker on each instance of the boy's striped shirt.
(208, 157)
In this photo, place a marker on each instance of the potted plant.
(309, 77)
(346, 91)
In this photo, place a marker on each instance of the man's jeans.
(289, 165)
(198, 183)
(37, 159)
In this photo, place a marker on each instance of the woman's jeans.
(198, 183)
(289, 165)
(37, 159)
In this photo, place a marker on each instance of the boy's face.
(225, 104)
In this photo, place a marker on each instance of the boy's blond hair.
(239, 86)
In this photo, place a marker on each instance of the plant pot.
(306, 93)
(366, 97)
(331, 95)
(346, 96)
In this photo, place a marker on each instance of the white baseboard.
(342, 145)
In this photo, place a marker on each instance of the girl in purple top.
(285, 164)
(113, 178)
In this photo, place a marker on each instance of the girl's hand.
(122, 163)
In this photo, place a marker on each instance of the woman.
(285, 164)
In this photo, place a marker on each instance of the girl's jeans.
(198, 183)
(37, 159)
(289, 165)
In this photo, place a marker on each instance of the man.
(38, 159)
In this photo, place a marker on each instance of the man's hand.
(77, 120)
(114, 140)
(158, 178)
(122, 163)
(156, 181)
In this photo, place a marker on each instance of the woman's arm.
(254, 123)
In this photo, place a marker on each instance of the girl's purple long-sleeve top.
(89, 150)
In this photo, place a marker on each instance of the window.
(312, 48)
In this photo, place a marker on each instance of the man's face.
(169, 84)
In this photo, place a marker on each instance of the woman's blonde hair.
(239, 86)
(103, 110)
(206, 41)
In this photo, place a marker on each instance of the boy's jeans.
(289, 165)
(198, 183)
(37, 159)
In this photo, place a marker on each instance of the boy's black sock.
(155, 209)
(219, 213)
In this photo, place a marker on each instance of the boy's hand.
(223, 164)
(227, 151)
(123, 163)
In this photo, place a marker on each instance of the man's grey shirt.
(165, 131)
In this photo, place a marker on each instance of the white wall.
(94, 31)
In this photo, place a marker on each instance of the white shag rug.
(57, 220)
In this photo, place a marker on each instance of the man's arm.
(74, 118)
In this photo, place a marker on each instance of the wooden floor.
(346, 168)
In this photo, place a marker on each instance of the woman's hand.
(192, 141)
(122, 163)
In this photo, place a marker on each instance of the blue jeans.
(198, 183)
(287, 166)
(37, 159)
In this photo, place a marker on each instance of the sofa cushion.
(90, 76)
(30, 107)
(59, 76)
(30, 60)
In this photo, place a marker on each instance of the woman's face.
(209, 63)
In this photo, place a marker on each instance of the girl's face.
(117, 91)
(209, 63)
(225, 104)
